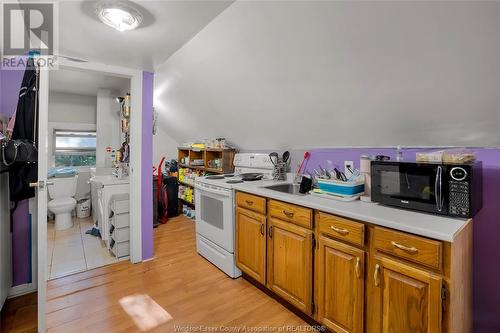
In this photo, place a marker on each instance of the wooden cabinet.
(291, 213)
(366, 278)
(251, 243)
(420, 250)
(251, 202)
(340, 289)
(406, 299)
(290, 263)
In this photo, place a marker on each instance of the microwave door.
(413, 186)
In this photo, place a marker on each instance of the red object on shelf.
(162, 219)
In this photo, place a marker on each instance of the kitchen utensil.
(306, 157)
(339, 175)
(251, 176)
(286, 156)
(274, 158)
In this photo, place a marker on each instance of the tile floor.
(71, 251)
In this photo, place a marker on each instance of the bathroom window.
(74, 148)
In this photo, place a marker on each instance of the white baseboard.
(22, 289)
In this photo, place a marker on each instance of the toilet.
(63, 202)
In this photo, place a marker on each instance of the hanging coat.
(25, 127)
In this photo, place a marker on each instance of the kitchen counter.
(428, 225)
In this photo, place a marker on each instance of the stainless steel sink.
(285, 188)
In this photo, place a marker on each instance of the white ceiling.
(85, 83)
(167, 25)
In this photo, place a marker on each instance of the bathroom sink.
(285, 188)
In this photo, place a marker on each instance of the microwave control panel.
(459, 198)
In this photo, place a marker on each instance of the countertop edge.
(293, 199)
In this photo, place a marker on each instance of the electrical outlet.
(348, 168)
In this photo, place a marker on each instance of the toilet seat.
(61, 202)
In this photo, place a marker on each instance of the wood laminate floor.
(178, 291)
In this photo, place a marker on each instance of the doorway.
(137, 121)
(88, 155)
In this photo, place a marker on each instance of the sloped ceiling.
(85, 83)
(167, 26)
(275, 74)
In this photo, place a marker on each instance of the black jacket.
(25, 127)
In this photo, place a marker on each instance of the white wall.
(108, 124)
(72, 108)
(275, 74)
(163, 146)
(71, 112)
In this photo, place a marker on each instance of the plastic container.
(338, 187)
(83, 208)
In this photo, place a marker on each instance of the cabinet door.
(251, 243)
(290, 263)
(341, 285)
(410, 298)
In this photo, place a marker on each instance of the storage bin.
(120, 234)
(120, 204)
(338, 187)
(120, 249)
(120, 220)
(83, 208)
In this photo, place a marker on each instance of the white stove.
(215, 221)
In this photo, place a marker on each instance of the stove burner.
(215, 177)
(234, 181)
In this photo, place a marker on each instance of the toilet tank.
(63, 187)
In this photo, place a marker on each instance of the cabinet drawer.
(341, 228)
(120, 220)
(120, 234)
(292, 213)
(421, 250)
(252, 202)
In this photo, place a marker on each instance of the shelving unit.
(208, 155)
(215, 161)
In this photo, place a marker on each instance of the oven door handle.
(207, 190)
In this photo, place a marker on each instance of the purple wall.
(486, 225)
(147, 165)
(10, 83)
(21, 245)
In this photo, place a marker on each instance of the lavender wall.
(10, 83)
(147, 165)
(486, 224)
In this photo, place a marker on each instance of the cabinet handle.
(411, 250)
(376, 275)
(341, 231)
(270, 233)
(249, 202)
(358, 268)
(262, 229)
(288, 214)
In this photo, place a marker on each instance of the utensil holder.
(279, 172)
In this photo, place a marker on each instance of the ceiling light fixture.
(118, 15)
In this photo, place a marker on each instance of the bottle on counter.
(365, 171)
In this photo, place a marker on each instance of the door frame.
(136, 77)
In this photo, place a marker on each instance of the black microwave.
(446, 189)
